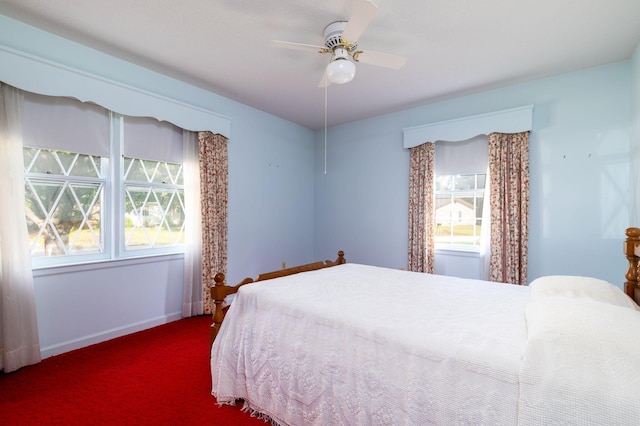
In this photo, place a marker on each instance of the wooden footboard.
(220, 290)
(631, 249)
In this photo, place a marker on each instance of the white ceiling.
(454, 47)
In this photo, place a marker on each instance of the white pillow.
(575, 287)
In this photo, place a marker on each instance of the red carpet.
(155, 377)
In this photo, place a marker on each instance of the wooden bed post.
(631, 286)
(219, 292)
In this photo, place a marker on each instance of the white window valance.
(513, 120)
(45, 77)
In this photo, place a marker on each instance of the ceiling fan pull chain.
(326, 87)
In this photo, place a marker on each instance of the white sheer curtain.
(19, 326)
(192, 303)
(485, 233)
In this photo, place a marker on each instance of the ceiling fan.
(341, 41)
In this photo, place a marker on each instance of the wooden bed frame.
(220, 290)
(631, 249)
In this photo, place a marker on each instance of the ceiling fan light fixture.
(341, 71)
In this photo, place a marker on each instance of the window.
(99, 185)
(64, 198)
(154, 204)
(458, 210)
(460, 179)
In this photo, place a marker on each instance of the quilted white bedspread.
(355, 344)
(361, 345)
(581, 364)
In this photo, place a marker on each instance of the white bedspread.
(356, 344)
(581, 364)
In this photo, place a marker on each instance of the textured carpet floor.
(158, 376)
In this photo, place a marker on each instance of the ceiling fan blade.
(363, 13)
(382, 59)
(298, 46)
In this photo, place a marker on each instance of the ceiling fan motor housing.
(333, 37)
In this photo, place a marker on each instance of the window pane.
(28, 154)
(45, 161)
(162, 174)
(481, 181)
(175, 172)
(464, 220)
(86, 165)
(458, 209)
(444, 183)
(154, 217)
(443, 218)
(479, 205)
(134, 170)
(67, 160)
(151, 167)
(465, 182)
(63, 217)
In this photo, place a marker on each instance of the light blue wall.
(579, 153)
(271, 210)
(634, 194)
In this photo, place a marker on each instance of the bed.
(356, 344)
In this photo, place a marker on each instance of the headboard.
(631, 249)
(219, 291)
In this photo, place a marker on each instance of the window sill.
(103, 264)
(458, 251)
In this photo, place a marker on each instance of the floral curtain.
(509, 198)
(19, 338)
(214, 182)
(421, 216)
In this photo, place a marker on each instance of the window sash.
(458, 222)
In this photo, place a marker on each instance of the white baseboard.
(92, 339)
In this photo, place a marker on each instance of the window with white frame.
(153, 191)
(64, 199)
(460, 179)
(99, 185)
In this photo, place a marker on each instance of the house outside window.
(459, 200)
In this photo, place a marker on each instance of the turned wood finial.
(629, 247)
(633, 233)
(219, 278)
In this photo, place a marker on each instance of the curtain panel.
(509, 198)
(19, 338)
(192, 297)
(421, 213)
(214, 183)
